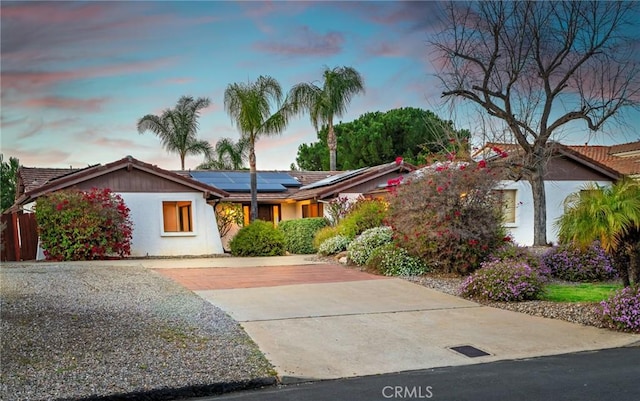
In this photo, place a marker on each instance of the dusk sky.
(76, 76)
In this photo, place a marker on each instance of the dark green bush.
(259, 238)
(391, 260)
(299, 234)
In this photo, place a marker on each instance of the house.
(568, 170)
(172, 214)
(287, 195)
(158, 198)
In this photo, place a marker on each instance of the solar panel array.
(240, 181)
(334, 178)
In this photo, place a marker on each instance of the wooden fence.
(19, 237)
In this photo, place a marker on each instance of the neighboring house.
(171, 214)
(569, 169)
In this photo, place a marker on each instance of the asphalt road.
(606, 375)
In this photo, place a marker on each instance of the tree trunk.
(333, 145)
(536, 179)
(254, 184)
(182, 161)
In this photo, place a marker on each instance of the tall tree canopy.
(537, 66)
(227, 155)
(379, 137)
(177, 128)
(257, 109)
(8, 181)
(331, 100)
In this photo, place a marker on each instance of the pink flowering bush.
(79, 225)
(622, 310)
(504, 281)
(448, 215)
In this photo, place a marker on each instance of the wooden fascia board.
(584, 160)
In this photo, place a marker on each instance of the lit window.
(509, 205)
(312, 210)
(177, 216)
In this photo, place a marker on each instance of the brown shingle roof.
(34, 177)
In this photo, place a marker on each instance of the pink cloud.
(66, 103)
(306, 43)
(122, 144)
(386, 49)
(24, 80)
(178, 80)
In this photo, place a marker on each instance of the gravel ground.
(574, 312)
(76, 331)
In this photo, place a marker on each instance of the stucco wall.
(556, 192)
(149, 238)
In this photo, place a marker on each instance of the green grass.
(587, 292)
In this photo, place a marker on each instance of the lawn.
(586, 292)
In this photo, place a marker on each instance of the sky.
(77, 76)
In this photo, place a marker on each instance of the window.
(509, 205)
(265, 212)
(177, 216)
(312, 210)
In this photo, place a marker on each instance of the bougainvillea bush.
(361, 248)
(622, 310)
(84, 225)
(570, 263)
(504, 281)
(449, 216)
(391, 260)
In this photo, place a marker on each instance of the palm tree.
(610, 215)
(229, 155)
(340, 85)
(177, 127)
(249, 106)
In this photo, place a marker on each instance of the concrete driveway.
(323, 321)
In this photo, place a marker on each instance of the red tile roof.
(624, 159)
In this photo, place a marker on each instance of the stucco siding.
(149, 238)
(556, 192)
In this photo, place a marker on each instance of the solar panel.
(334, 178)
(240, 181)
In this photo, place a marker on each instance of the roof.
(616, 160)
(40, 181)
(310, 184)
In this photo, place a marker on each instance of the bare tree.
(538, 66)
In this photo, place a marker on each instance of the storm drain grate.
(468, 350)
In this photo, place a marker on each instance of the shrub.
(259, 238)
(572, 264)
(299, 234)
(363, 215)
(324, 234)
(622, 310)
(391, 260)
(503, 281)
(449, 216)
(361, 248)
(77, 225)
(334, 245)
(512, 252)
(228, 214)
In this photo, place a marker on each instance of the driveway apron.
(325, 321)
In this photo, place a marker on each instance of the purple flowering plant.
(622, 310)
(503, 280)
(573, 264)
